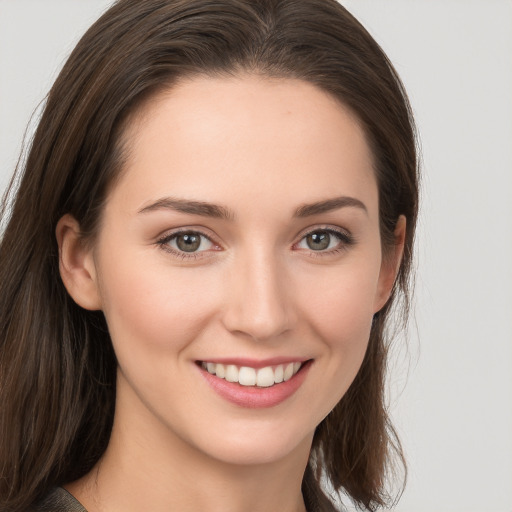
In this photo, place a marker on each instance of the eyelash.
(345, 240)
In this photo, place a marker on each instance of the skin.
(261, 149)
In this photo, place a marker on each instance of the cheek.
(155, 307)
(341, 309)
(340, 313)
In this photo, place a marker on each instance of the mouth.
(255, 384)
(248, 376)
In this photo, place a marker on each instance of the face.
(239, 265)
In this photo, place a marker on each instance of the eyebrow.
(206, 209)
(201, 208)
(307, 210)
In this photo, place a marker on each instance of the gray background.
(451, 382)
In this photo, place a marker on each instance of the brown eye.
(325, 241)
(188, 242)
(318, 240)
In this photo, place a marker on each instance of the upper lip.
(254, 363)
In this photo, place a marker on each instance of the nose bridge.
(257, 303)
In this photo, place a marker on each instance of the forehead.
(247, 137)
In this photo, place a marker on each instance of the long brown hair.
(57, 365)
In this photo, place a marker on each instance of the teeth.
(265, 377)
(220, 371)
(279, 374)
(231, 373)
(288, 372)
(247, 376)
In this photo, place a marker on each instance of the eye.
(324, 240)
(186, 242)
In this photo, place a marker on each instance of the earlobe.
(76, 264)
(391, 265)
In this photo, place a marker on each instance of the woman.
(214, 221)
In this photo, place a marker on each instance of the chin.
(249, 445)
(247, 452)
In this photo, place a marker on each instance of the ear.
(390, 265)
(76, 264)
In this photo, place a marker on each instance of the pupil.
(318, 241)
(188, 242)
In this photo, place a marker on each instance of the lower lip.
(253, 397)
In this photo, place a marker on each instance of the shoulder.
(58, 500)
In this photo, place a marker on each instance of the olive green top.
(59, 500)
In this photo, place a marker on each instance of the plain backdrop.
(451, 382)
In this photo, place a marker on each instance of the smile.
(247, 376)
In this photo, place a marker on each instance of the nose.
(258, 301)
